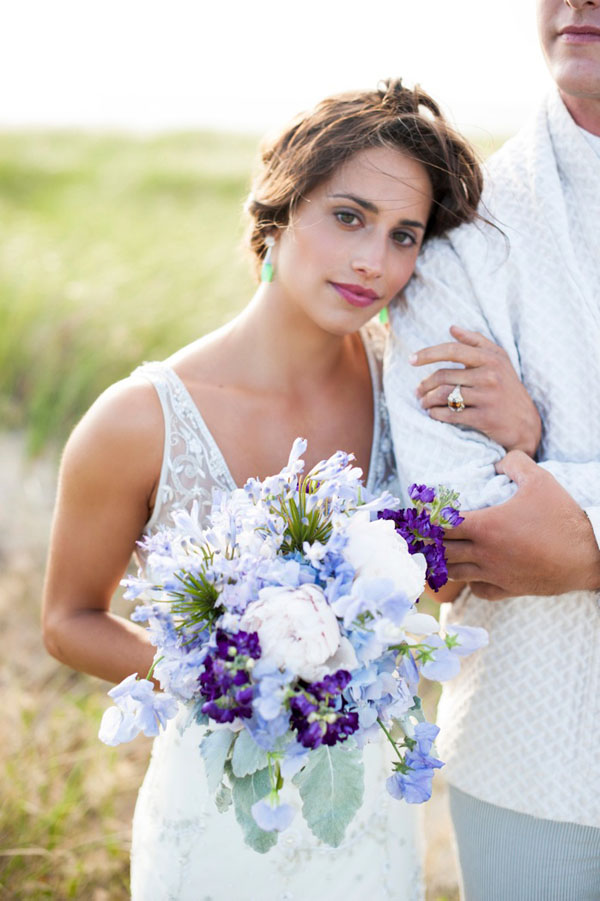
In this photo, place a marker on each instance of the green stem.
(154, 665)
(391, 740)
(271, 777)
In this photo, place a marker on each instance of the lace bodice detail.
(193, 465)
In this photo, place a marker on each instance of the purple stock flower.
(422, 537)
(318, 711)
(225, 682)
(437, 565)
(451, 516)
(421, 493)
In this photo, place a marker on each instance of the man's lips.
(580, 34)
(356, 294)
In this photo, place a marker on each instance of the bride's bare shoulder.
(121, 436)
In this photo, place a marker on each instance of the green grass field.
(113, 249)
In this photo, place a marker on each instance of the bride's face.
(353, 242)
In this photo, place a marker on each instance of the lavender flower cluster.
(288, 619)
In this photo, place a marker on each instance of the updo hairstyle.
(316, 143)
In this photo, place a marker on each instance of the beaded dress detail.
(183, 849)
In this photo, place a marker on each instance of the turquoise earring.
(266, 272)
(383, 316)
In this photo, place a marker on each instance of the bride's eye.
(347, 217)
(404, 238)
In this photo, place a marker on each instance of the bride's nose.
(369, 258)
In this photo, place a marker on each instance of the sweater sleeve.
(440, 294)
(443, 293)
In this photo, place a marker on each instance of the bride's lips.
(356, 294)
(580, 34)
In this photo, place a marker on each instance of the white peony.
(377, 551)
(298, 629)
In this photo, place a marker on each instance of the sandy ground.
(27, 489)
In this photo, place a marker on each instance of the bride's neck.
(284, 345)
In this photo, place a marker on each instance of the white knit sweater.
(519, 725)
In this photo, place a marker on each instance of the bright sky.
(235, 64)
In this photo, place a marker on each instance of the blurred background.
(128, 132)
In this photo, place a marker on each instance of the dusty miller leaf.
(246, 792)
(223, 798)
(214, 749)
(331, 786)
(248, 757)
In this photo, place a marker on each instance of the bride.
(344, 199)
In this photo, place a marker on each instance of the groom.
(519, 725)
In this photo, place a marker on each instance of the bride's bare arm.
(108, 474)
(497, 403)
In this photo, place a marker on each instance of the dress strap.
(382, 469)
(192, 466)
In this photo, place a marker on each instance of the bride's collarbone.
(255, 430)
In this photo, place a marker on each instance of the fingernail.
(412, 359)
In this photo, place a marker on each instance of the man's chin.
(579, 77)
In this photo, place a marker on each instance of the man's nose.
(580, 4)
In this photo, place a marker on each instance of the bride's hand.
(496, 401)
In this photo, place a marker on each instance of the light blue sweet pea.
(138, 709)
(272, 817)
(468, 639)
(425, 735)
(117, 727)
(413, 787)
(408, 672)
(296, 756)
(443, 663)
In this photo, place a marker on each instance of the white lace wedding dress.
(183, 849)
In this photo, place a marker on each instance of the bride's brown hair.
(316, 143)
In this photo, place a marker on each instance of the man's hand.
(538, 542)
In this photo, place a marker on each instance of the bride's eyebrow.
(373, 208)
(365, 204)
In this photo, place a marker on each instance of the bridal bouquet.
(288, 626)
